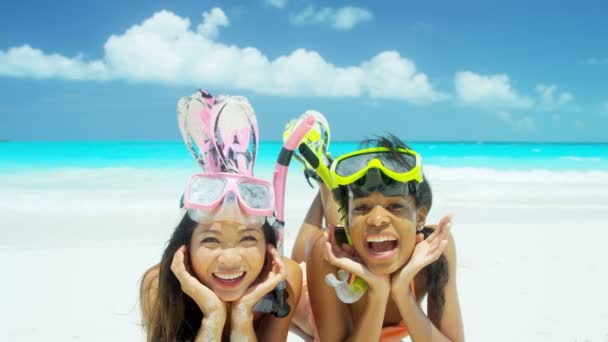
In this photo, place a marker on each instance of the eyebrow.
(249, 229)
(209, 231)
(219, 232)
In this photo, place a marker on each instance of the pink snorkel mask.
(228, 196)
(222, 136)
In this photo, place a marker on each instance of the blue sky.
(467, 70)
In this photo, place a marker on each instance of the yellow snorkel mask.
(401, 165)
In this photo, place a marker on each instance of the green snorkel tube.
(346, 291)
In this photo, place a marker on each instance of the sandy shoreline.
(530, 250)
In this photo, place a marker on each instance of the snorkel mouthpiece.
(347, 293)
(275, 302)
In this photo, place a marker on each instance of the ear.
(421, 217)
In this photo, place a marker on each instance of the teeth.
(380, 238)
(229, 276)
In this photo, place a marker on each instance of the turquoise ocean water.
(30, 156)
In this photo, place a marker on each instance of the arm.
(272, 328)
(449, 320)
(420, 327)
(241, 316)
(332, 318)
(213, 309)
(310, 227)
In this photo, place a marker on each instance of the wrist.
(215, 318)
(241, 317)
(379, 293)
(211, 328)
(400, 284)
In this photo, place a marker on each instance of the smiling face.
(383, 230)
(227, 256)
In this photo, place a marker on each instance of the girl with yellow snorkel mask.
(391, 261)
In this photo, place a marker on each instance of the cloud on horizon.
(164, 49)
(345, 18)
(489, 91)
(525, 123)
(496, 92)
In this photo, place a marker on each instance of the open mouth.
(382, 245)
(229, 279)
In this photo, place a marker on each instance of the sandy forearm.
(211, 329)
(242, 325)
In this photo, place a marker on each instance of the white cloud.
(496, 92)
(25, 61)
(524, 124)
(209, 28)
(492, 91)
(276, 3)
(344, 18)
(550, 100)
(164, 49)
(391, 76)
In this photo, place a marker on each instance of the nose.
(230, 258)
(378, 217)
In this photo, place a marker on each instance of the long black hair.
(437, 272)
(174, 315)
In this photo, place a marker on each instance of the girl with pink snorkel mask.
(222, 275)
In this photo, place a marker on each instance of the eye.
(362, 208)
(210, 239)
(395, 207)
(249, 240)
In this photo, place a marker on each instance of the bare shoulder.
(148, 292)
(315, 254)
(149, 281)
(294, 275)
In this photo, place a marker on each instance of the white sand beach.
(74, 243)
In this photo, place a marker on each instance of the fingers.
(442, 230)
(178, 267)
(279, 265)
(445, 224)
(345, 263)
(177, 264)
(258, 291)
